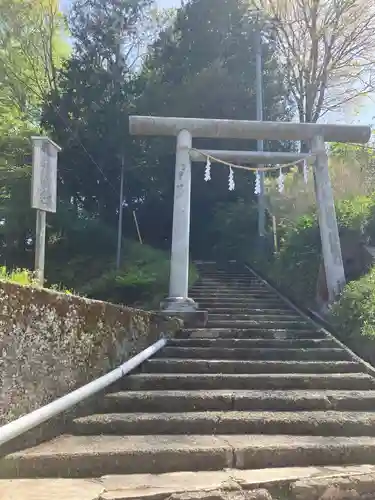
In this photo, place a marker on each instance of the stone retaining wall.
(51, 343)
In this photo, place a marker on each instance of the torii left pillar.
(178, 300)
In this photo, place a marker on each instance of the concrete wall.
(51, 343)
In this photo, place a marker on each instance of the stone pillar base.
(178, 304)
(185, 309)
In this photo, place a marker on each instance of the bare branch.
(326, 48)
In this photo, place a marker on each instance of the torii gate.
(185, 129)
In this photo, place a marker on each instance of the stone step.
(228, 366)
(252, 343)
(285, 313)
(248, 316)
(229, 281)
(265, 381)
(223, 275)
(240, 301)
(314, 423)
(269, 333)
(248, 305)
(229, 277)
(238, 400)
(282, 354)
(234, 298)
(163, 486)
(234, 289)
(248, 324)
(260, 294)
(87, 456)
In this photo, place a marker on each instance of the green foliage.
(25, 277)
(32, 49)
(295, 267)
(22, 277)
(234, 226)
(353, 316)
(199, 62)
(142, 280)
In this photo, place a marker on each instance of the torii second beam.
(248, 157)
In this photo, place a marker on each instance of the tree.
(326, 49)
(188, 70)
(32, 49)
(89, 116)
(204, 66)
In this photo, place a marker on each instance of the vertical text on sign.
(44, 179)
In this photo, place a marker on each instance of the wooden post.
(329, 233)
(40, 245)
(43, 194)
(137, 227)
(274, 230)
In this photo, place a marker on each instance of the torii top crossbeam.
(244, 129)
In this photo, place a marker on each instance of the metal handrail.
(31, 420)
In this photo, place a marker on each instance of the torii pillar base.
(185, 309)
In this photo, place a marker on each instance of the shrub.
(295, 268)
(142, 280)
(22, 277)
(25, 277)
(234, 226)
(353, 316)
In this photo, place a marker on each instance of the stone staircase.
(259, 387)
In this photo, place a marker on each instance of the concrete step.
(278, 324)
(253, 311)
(238, 400)
(242, 333)
(284, 354)
(228, 366)
(240, 301)
(223, 275)
(265, 381)
(252, 343)
(88, 456)
(227, 294)
(314, 423)
(248, 305)
(234, 289)
(163, 486)
(249, 316)
(234, 298)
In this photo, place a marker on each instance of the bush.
(353, 316)
(234, 226)
(295, 268)
(142, 280)
(22, 277)
(25, 277)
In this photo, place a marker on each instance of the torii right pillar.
(329, 231)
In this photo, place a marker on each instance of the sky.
(362, 112)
